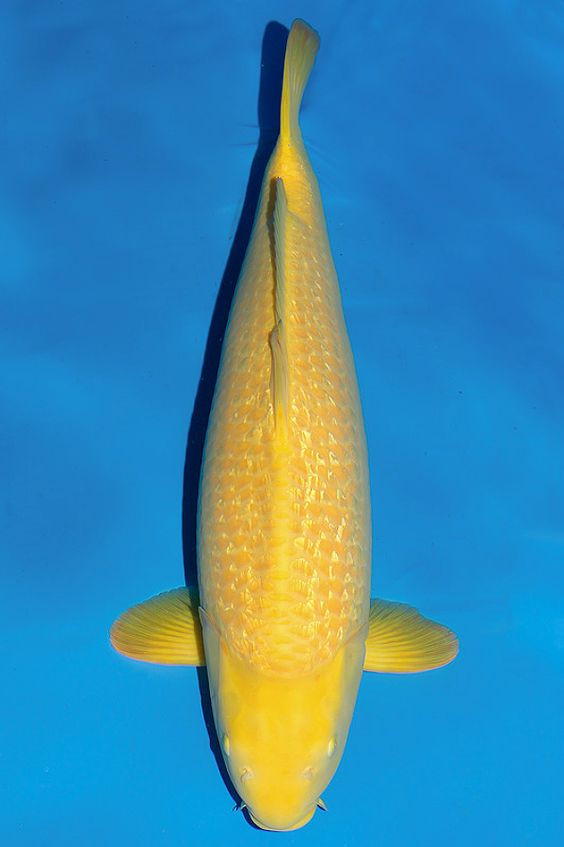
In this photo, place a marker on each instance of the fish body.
(284, 520)
(284, 525)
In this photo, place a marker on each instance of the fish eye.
(331, 747)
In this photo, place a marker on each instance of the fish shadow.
(270, 89)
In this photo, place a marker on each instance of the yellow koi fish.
(283, 619)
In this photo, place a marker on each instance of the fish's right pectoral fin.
(165, 630)
(401, 640)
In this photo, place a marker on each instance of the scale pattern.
(284, 529)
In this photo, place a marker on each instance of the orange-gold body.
(284, 524)
(284, 520)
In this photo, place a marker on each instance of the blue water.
(127, 139)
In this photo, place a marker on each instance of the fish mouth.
(302, 822)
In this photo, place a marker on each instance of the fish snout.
(281, 823)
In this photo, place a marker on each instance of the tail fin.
(301, 49)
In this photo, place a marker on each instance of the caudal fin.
(301, 49)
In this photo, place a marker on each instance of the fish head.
(281, 736)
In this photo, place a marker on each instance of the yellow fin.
(280, 219)
(279, 381)
(301, 49)
(400, 640)
(165, 630)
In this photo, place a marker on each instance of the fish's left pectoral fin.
(401, 640)
(164, 630)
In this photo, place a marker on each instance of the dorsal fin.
(279, 380)
(280, 228)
